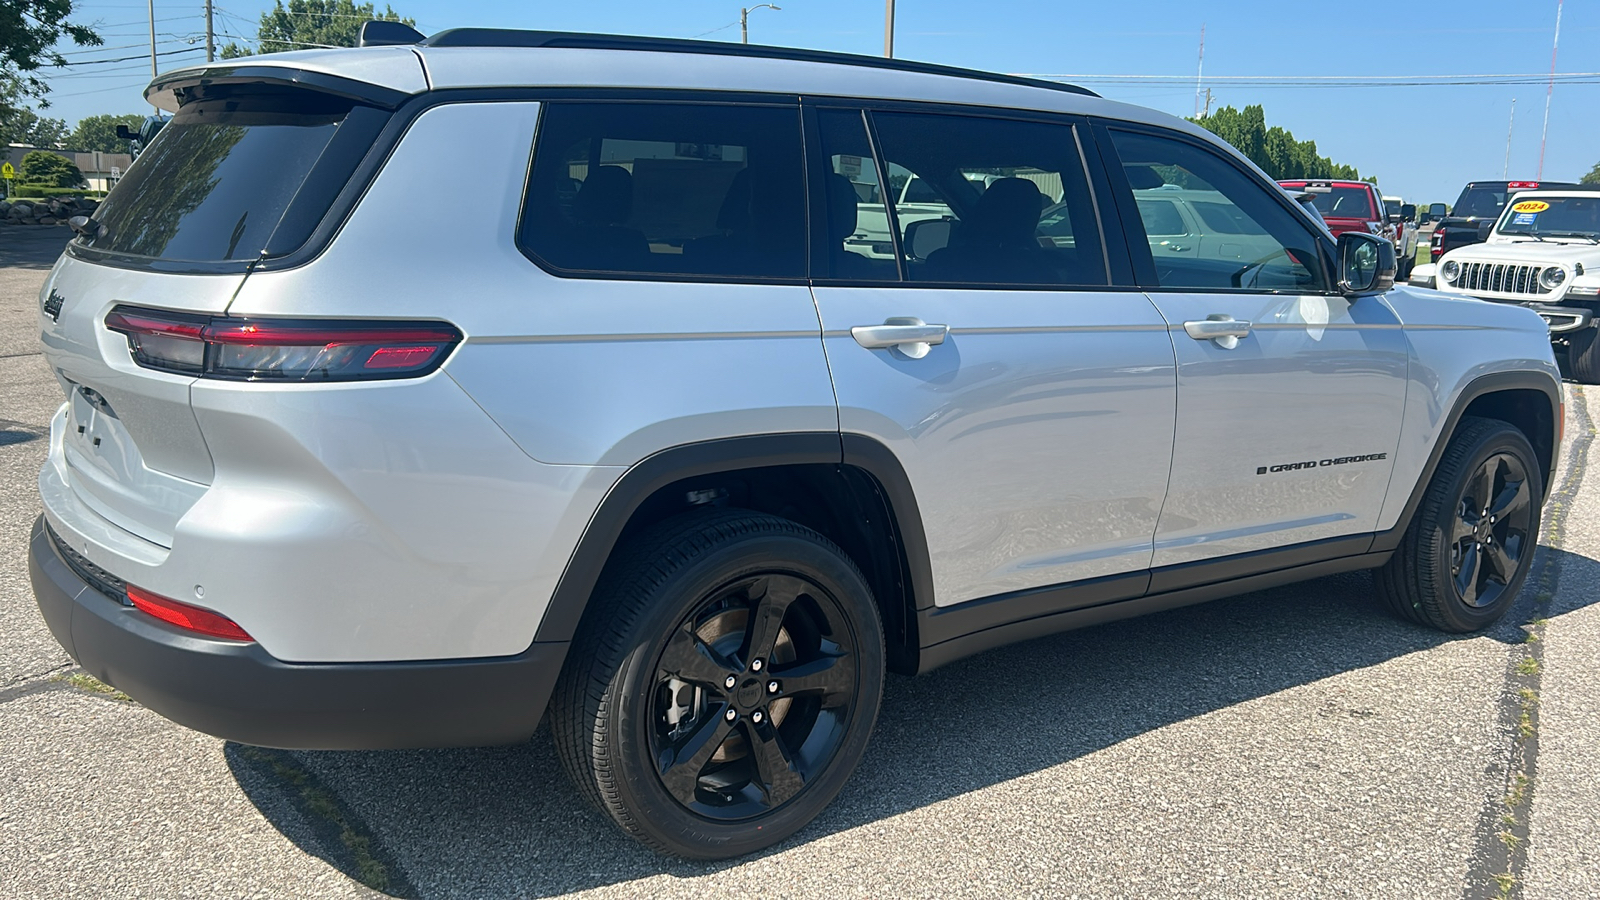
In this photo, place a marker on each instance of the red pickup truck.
(1350, 206)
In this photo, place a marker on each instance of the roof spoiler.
(382, 33)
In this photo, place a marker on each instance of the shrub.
(25, 191)
(48, 169)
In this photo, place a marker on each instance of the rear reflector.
(282, 349)
(190, 618)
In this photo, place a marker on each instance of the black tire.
(1583, 355)
(683, 607)
(1458, 568)
(1406, 264)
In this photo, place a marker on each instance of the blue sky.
(1422, 142)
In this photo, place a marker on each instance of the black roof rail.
(506, 37)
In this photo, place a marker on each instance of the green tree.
(1273, 149)
(24, 126)
(1593, 177)
(42, 167)
(29, 32)
(100, 133)
(306, 24)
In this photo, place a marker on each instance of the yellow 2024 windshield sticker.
(1531, 206)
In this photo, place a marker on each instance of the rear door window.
(1006, 200)
(231, 178)
(668, 189)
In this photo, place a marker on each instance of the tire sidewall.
(656, 811)
(1459, 615)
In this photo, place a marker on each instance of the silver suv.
(417, 393)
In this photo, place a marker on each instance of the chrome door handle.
(908, 334)
(1224, 329)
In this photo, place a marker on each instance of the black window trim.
(1133, 228)
(1119, 270)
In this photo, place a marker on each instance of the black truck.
(1476, 211)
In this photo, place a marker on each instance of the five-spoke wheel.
(723, 685)
(1470, 544)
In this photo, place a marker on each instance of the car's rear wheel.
(1469, 547)
(1583, 355)
(724, 683)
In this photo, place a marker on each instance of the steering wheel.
(1238, 276)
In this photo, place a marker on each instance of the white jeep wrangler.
(1544, 253)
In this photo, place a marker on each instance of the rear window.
(1342, 202)
(226, 173)
(1480, 203)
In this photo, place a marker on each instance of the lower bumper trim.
(239, 692)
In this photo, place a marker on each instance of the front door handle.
(908, 334)
(1225, 330)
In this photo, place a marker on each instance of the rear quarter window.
(219, 182)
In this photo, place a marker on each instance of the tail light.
(1522, 185)
(1436, 247)
(282, 349)
(189, 618)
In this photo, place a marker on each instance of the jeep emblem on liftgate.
(52, 305)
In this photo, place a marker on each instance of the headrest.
(1008, 210)
(842, 208)
(606, 197)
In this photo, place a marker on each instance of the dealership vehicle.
(1476, 210)
(643, 447)
(1403, 217)
(1354, 206)
(1543, 253)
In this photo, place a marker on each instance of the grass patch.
(92, 685)
(1529, 666)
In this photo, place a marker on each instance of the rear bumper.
(241, 693)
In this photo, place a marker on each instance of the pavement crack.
(20, 355)
(1500, 851)
(349, 843)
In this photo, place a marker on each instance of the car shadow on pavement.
(31, 246)
(505, 822)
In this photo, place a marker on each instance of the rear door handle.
(908, 334)
(1224, 329)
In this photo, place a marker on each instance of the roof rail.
(506, 37)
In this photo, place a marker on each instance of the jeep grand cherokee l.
(643, 445)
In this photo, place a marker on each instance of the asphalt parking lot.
(1297, 742)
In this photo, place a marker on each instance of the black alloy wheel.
(723, 684)
(753, 692)
(1490, 532)
(1473, 537)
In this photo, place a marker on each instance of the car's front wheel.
(1470, 545)
(724, 684)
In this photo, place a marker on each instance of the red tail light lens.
(1520, 185)
(189, 618)
(282, 349)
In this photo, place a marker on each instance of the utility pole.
(211, 41)
(1505, 172)
(1208, 104)
(153, 72)
(1200, 72)
(888, 30)
(1554, 46)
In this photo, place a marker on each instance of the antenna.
(1506, 171)
(1200, 70)
(1554, 46)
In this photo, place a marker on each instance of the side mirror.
(124, 133)
(1438, 210)
(925, 236)
(1485, 228)
(1366, 264)
(1408, 212)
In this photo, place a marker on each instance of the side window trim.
(890, 206)
(1133, 228)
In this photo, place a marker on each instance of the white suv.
(1544, 253)
(639, 441)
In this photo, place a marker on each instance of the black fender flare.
(571, 596)
(1492, 383)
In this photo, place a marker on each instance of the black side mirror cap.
(124, 133)
(1367, 264)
